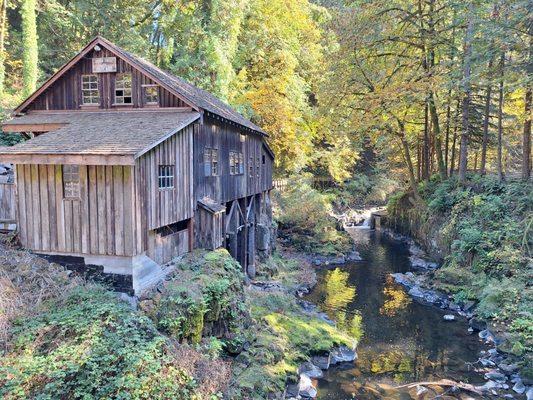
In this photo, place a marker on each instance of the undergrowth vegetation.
(485, 229)
(306, 222)
(283, 335)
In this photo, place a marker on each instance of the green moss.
(205, 289)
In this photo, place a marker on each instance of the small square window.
(123, 85)
(71, 181)
(166, 177)
(151, 94)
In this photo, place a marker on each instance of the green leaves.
(91, 346)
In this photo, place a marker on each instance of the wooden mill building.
(127, 167)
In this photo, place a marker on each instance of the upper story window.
(210, 162)
(89, 90)
(123, 87)
(236, 163)
(151, 95)
(71, 181)
(263, 158)
(166, 177)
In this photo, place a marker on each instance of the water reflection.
(396, 299)
(336, 294)
(403, 341)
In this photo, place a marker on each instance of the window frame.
(210, 161)
(71, 181)
(90, 92)
(145, 94)
(237, 159)
(165, 176)
(120, 78)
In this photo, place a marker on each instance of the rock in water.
(306, 388)
(519, 387)
(343, 354)
(529, 394)
(449, 317)
(310, 370)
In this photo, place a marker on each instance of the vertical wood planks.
(100, 222)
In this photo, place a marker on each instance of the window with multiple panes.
(166, 177)
(257, 168)
(71, 181)
(89, 90)
(251, 167)
(210, 162)
(151, 94)
(123, 90)
(236, 163)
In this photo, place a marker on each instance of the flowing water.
(401, 341)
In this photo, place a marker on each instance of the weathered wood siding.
(163, 249)
(7, 202)
(65, 93)
(101, 222)
(210, 229)
(160, 207)
(225, 138)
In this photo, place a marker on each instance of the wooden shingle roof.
(195, 95)
(115, 133)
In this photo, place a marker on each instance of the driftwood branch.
(444, 382)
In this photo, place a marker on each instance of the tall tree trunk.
(437, 141)
(447, 137)
(465, 133)
(29, 46)
(501, 176)
(3, 34)
(436, 134)
(486, 120)
(454, 141)
(407, 158)
(526, 138)
(425, 145)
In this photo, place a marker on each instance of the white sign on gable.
(104, 64)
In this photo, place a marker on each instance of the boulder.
(519, 387)
(342, 354)
(496, 376)
(477, 324)
(529, 394)
(306, 388)
(263, 237)
(449, 317)
(322, 362)
(310, 370)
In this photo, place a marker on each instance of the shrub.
(91, 345)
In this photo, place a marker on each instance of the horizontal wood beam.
(67, 159)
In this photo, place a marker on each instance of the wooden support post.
(190, 230)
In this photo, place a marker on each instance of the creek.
(400, 340)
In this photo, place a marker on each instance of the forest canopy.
(430, 86)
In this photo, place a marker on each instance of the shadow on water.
(401, 341)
